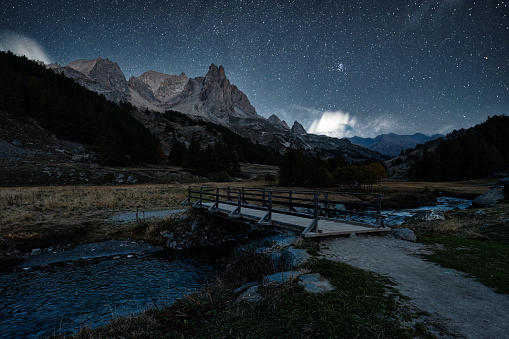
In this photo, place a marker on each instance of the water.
(62, 297)
(134, 216)
(397, 217)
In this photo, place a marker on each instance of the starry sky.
(341, 68)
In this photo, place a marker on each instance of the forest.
(465, 154)
(70, 111)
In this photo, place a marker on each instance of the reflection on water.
(65, 296)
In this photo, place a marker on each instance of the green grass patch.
(488, 261)
(362, 305)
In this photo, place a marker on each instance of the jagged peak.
(215, 73)
(275, 120)
(297, 128)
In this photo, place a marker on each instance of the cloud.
(334, 124)
(23, 45)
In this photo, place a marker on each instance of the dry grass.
(45, 204)
(467, 188)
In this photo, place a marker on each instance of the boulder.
(404, 234)
(480, 213)
(280, 277)
(36, 251)
(315, 283)
(292, 257)
(490, 198)
(251, 295)
(426, 215)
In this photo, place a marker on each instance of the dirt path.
(463, 306)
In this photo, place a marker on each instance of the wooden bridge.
(307, 213)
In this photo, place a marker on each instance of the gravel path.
(463, 306)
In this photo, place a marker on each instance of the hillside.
(59, 105)
(465, 154)
(393, 144)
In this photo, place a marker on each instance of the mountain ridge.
(393, 144)
(210, 98)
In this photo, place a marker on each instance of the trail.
(462, 306)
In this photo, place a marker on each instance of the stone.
(490, 198)
(340, 207)
(426, 215)
(353, 235)
(403, 234)
(167, 234)
(315, 283)
(480, 213)
(251, 295)
(245, 287)
(36, 251)
(292, 257)
(280, 277)
(132, 180)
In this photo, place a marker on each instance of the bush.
(223, 176)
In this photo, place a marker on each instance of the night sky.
(341, 68)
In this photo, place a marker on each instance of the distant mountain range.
(210, 98)
(393, 144)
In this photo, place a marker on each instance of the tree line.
(297, 170)
(217, 159)
(70, 111)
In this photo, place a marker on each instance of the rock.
(245, 287)
(315, 283)
(36, 251)
(167, 234)
(404, 234)
(132, 180)
(297, 128)
(426, 215)
(340, 207)
(480, 213)
(251, 295)
(353, 235)
(280, 277)
(293, 257)
(490, 198)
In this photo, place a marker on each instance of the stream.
(37, 301)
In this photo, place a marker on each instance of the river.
(38, 301)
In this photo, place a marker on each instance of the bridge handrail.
(242, 195)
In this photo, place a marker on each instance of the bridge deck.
(326, 227)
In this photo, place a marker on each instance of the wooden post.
(326, 203)
(201, 196)
(379, 211)
(290, 207)
(263, 198)
(315, 214)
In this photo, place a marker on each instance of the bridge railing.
(306, 204)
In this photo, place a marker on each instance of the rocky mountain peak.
(297, 128)
(274, 119)
(100, 75)
(216, 74)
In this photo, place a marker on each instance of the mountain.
(99, 75)
(392, 144)
(211, 98)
